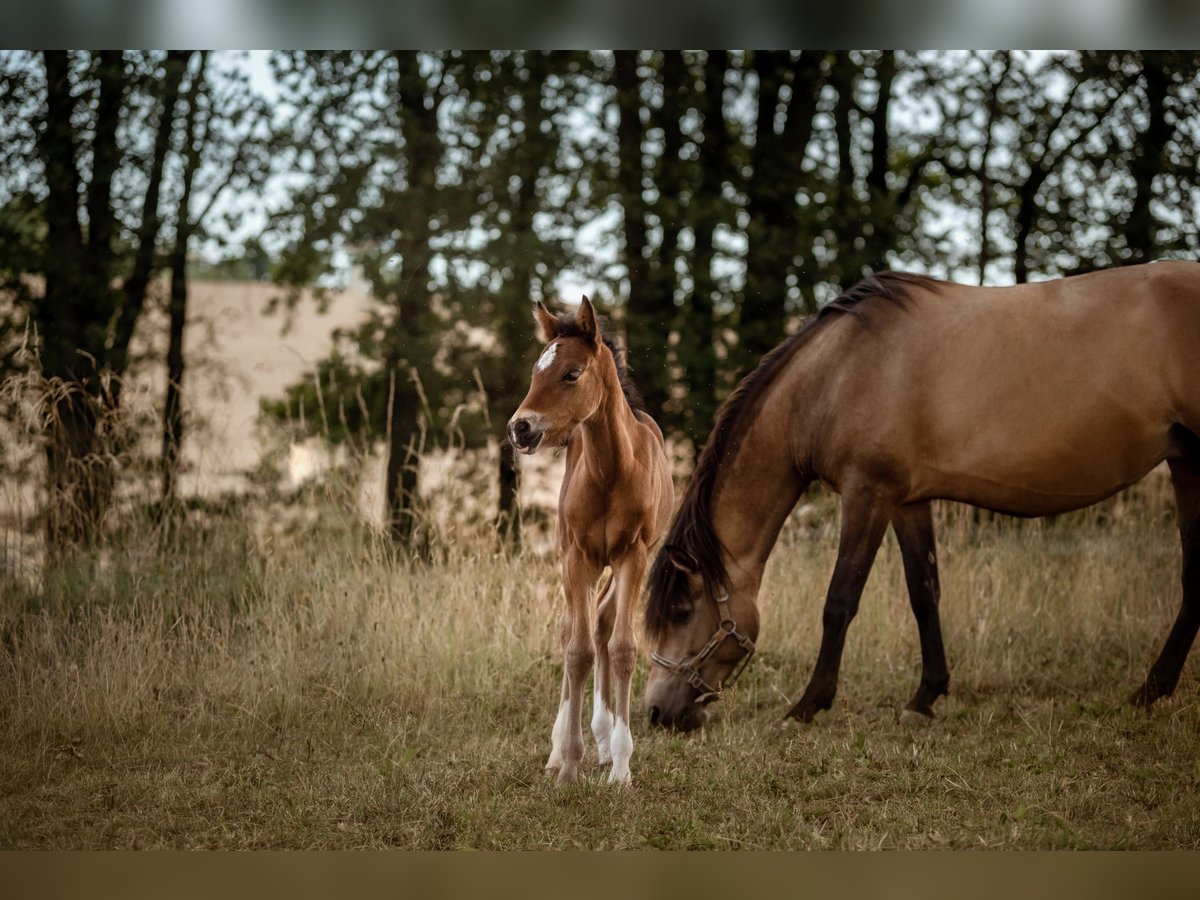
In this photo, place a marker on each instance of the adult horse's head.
(702, 628)
(568, 382)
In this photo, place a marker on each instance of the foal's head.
(570, 379)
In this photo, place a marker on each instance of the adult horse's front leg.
(864, 521)
(1164, 674)
(914, 532)
(622, 658)
(579, 575)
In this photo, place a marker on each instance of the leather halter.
(689, 669)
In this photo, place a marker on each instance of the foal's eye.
(681, 614)
(573, 375)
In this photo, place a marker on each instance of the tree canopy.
(707, 200)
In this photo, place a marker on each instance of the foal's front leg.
(622, 658)
(602, 703)
(579, 575)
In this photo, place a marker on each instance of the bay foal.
(615, 501)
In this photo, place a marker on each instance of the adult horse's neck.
(767, 470)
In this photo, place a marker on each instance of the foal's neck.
(608, 434)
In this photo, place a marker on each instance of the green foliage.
(707, 200)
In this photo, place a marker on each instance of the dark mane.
(567, 326)
(692, 528)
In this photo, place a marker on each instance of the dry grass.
(264, 685)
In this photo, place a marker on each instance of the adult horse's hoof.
(804, 711)
(811, 703)
(920, 718)
(1144, 697)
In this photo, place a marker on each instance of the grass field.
(257, 684)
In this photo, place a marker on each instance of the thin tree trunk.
(71, 513)
(138, 282)
(423, 147)
(648, 315)
(652, 313)
(534, 149)
(1141, 227)
(698, 334)
(172, 433)
(985, 184)
(761, 308)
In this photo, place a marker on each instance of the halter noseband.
(689, 669)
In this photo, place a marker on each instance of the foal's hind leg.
(914, 531)
(1164, 674)
(602, 703)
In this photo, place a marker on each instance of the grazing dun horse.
(614, 504)
(1027, 400)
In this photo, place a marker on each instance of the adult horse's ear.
(546, 323)
(682, 559)
(586, 317)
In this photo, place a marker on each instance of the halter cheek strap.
(689, 669)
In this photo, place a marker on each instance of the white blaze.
(546, 358)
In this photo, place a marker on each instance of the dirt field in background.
(236, 355)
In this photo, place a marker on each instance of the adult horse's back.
(1029, 400)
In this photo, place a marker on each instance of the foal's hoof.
(625, 780)
(568, 774)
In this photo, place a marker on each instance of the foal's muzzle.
(524, 435)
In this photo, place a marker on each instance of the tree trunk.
(408, 327)
(138, 282)
(71, 510)
(985, 185)
(652, 306)
(771, 196)
(698, 333)
(648, 315)
(534, 149)
(1141, 227)
(172, 431)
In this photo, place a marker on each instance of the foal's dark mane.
(567, 326)
(692, 528)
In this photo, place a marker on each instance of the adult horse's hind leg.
(864, 522)
(914, 531)
(602, 703)
(1164, 674)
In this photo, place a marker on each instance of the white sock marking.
(621, 744)
(547, 357)
(558, 737)
(602, 725)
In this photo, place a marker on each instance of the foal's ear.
(586, 317)
(682, 559)
(546, 323)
